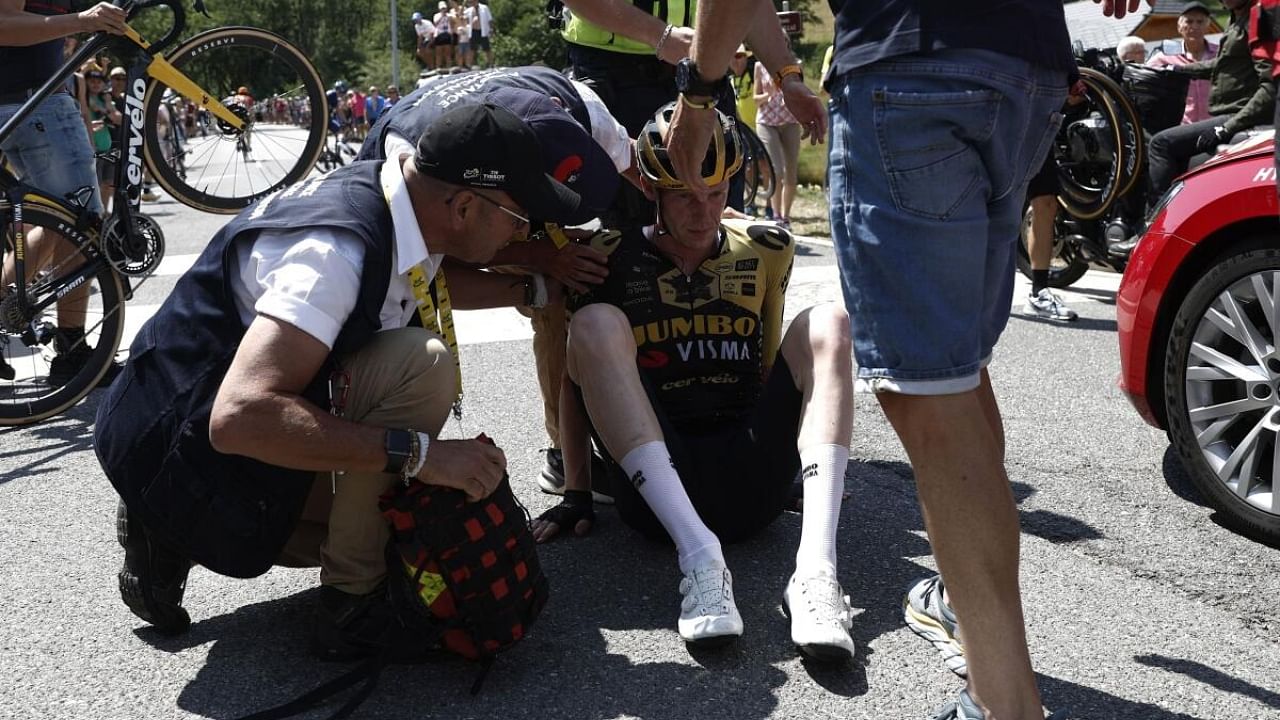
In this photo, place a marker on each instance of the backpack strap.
(369, 671)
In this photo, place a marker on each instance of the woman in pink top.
(1192, 24)
(780, 133)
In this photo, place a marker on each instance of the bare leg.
(1044, 211)
(973, 526)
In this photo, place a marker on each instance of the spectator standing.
(374, 105)
(355, 99)
(50, 149)
(424, 30)
(1132, 49)
(780, 134)
(1193, 21)
(105, 119)
(481, 31)
(444, 39)
(742, 73)
(393, 96)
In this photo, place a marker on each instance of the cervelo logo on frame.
(134, 101)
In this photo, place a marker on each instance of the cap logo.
(471, 174)
(493, 176)
(567, 170)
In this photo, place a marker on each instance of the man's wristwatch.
(793, 69)
(689, 82)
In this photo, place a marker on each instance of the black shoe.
(153, 578)
(6, 370)
(353, 627)
(66, 365)
(551, 481)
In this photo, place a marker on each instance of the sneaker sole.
(1030, 310)
(715, 641)
(929, 629)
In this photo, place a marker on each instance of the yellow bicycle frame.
(160, 69)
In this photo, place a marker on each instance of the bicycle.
(336, 155)
(105, 257)
(756, 166)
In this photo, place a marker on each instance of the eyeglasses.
(522, 219)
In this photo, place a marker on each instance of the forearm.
(471, 289)
(289, 431)
(620, 17)
(1198, 70)
(768, 41)
(533, 253)
(712, 51)
(1258, 111)
(21, 29)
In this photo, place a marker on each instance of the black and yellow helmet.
(724, 156)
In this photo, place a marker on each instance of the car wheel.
(1222, 384)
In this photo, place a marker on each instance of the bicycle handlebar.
(133, 7)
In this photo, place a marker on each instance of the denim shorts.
(50, 150)
(930, 159)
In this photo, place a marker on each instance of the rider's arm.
(472, 289)
(575, 437)
(1261, 107)
(19, 28)
(778, 265)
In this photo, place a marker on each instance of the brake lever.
(198, 6)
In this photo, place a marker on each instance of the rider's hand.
(103, 17)
(677, 46)
(1211, 138)
(576, 266)
(807, 109)
(575, 511)
(475, 467)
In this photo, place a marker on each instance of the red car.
(1199, 320)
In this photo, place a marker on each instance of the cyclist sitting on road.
(707, 408)
(222, 435)
(50, 150)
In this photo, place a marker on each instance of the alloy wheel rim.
(1232, 388)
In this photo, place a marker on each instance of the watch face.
(683, 74)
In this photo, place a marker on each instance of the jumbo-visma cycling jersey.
(705, 340)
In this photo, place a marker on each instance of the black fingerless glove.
(575, 506)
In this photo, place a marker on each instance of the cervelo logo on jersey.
(451, 90)
(134, 103)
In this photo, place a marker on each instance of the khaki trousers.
(403, 378)
(550, 333)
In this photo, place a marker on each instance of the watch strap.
(707, 105)
(399, 447)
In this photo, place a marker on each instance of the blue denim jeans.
(51, 151)
(930, 159)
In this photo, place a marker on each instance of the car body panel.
(1233, 190)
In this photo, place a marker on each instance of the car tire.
(1232, 454)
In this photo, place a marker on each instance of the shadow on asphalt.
(1107, 297)
(1082, 323)
(60, 437)
(1179, 481)
(606, 644)
(1211, 677)
(1085, 703)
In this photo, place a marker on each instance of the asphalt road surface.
(1140, 605)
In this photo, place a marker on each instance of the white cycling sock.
(822, 469)
(650, 471)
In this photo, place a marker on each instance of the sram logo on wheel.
(134, 101)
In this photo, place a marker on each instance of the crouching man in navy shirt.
(296, 373)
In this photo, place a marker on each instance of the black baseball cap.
(488, 146)
(1193, 6)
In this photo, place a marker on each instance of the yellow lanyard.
(437, 317)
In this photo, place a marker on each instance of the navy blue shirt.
(1033, 30)
(26, 68)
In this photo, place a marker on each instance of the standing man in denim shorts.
(941, 112)
(50, 150)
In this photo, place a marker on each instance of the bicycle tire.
(25, 400)
(194, 189)
(1086, 202)
(1131, 137)
(759, 167)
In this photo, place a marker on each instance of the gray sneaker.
(932, 619)
(1049, 306)
(964, 708)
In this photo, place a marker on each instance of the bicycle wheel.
(224, 174)
(758, 166)
(29, 340)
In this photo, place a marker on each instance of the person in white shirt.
(306, 363)
(481, 22)
(426, 32)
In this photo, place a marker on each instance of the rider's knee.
(828, 333)
(598, 329)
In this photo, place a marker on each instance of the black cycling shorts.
(738, 475)
(1046, 181)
